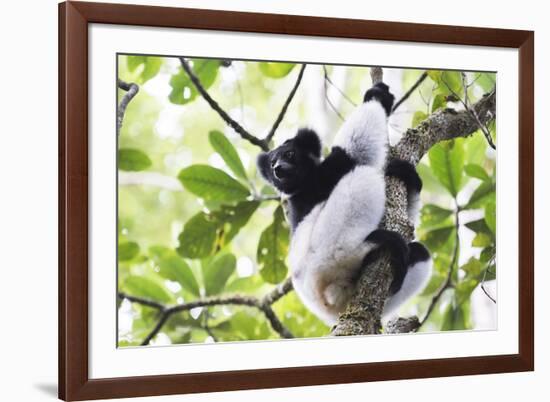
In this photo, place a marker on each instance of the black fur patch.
(309, 140)
(417, 253)
(318, 185)
(381, 92)
(405, 172)
(396, 246)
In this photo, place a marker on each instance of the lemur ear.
(309, 141)
(262, 161)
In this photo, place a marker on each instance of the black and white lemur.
(335, 206)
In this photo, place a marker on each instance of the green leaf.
(472, 268)
(487, 254)
(464, 289)
(183, 90)
(151, 66)
(127, 250)
(198, 238)
(430, 183)
(228, 153)
(486, 81)
(491, 216)
(437, 238)
(475, 148)
(273, 248)
(233, 218)
(130, 159)
(147, 286)
(418, 117)
(447, 162)
(482, 240)
(212, 184)
(456, 317)
(490, 273)
(439, 102)
(433, 216)
(478, 226)
(208, 232)
(176, 269)
(159, 252)
(217, 272)
(476, 171)
(276, 70)
(484, 193)
(447, 82)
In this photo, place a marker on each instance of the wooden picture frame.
(74, 381)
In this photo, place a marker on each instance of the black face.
(288, 166)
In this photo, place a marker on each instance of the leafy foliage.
(272, 249)
(133, 160)
(183, 90)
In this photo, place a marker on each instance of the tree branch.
(465, 102)
(362, 316)
(222, 113)
(282, 113)
(264, 305)
(402, 325)
(131, 91)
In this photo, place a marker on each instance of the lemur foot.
(381, 92)
(394, 243)
(405, 172)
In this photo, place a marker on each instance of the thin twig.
(263, 304)
(329, 102)
(410, 91)
(207, 328)
(329, 80)
(131, 91)
(222, 113)
(282, 113)
(483, 280)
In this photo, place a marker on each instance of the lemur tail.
(406, 172)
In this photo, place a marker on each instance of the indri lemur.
(335, 207)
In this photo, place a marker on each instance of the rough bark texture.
(364, 311)
(402, 325)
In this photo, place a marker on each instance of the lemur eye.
(289, 155)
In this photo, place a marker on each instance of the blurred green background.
(195, 220)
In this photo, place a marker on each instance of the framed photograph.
(260, 200)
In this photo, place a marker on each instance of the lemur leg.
(406, 172)
(419, 270)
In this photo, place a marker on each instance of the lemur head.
(287, 166)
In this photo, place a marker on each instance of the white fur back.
(364, 134)
(329, 245)
(414, 282)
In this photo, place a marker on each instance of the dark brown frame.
(74, 17)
